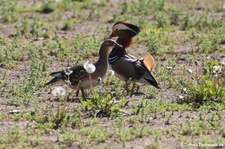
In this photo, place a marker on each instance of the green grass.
(186, 40)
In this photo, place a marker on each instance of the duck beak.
(111, 36)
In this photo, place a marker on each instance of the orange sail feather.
(148, 61)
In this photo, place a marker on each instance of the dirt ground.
(33, 43)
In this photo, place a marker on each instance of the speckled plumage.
(79, 78)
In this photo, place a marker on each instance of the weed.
(68, 25)
(7, 58)
(153, 42)
(36, 35)
(22, 28)
(178, 17)
(22, 93)
(96, 133)
(8, 12)
(104, 103)
(47, 7)
(212, 41)
(162, 19)
(222, 131)
(204, 21)
(206, 89)
(39, 30)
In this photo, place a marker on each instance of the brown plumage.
(126, 66)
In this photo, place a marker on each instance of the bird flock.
(113, 53)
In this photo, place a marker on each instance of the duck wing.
(143, 72)
(73, 74)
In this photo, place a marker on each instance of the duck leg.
(76, 99)
(78, 89)
(137, 88)
(126, 86)
(82, 91)
(77, 92)
(133, 87)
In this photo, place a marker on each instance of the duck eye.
(107, 43)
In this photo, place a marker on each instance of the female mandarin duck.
(78, 78)
(126, 66)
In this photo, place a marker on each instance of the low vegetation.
(186, 39)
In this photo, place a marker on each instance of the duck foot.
(135, 90)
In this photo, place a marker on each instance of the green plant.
(104, 103)
(162, 19)
(153, 40)
(178, 17)
(40, 36)
(204, 22)
(47, 7)
(39, 29)
(222, 131)
(8, 12)
(22, 93)
(212, 41)
(208, 88)
(59, 117)
(22, 28)
(96, 133)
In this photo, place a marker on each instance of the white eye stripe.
(122, 27)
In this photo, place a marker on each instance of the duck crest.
(135, 28)
(122, 22)
(148, 61)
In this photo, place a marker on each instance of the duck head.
(107, 46)
(121, 28)
(125, 33)
(109, 43)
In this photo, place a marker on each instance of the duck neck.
(125, 40)
(102, 63)
(103, 56)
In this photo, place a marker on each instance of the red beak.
(111, 36)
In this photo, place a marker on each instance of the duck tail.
(151, 80)
(57, 76)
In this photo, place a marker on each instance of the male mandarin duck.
(78, 78)
(126, 66)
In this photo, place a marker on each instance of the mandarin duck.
(126, 66)
(78, 78)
